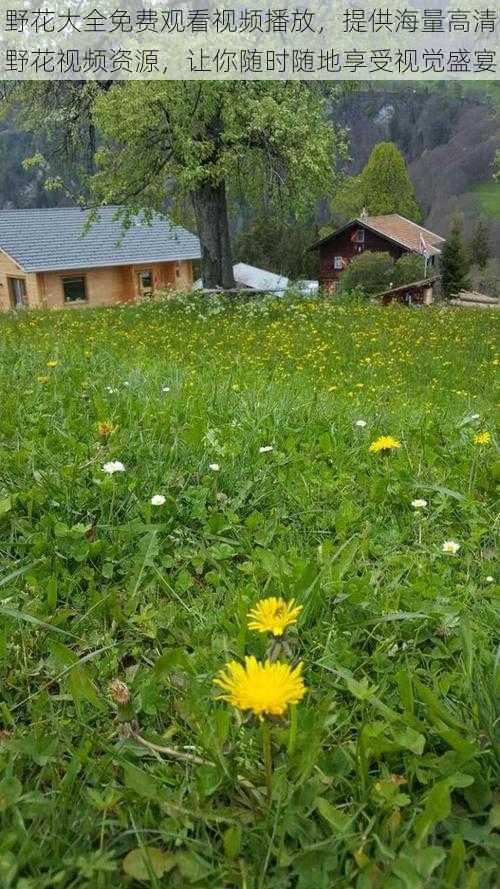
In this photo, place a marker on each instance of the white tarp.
(258, 279)
(249, 277)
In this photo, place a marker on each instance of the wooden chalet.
(380, 234)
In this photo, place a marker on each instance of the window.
(74, 289)
(338, 263)
(17, 292)
(359, 236)
(146, 282)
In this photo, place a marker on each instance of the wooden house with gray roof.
(54, 258)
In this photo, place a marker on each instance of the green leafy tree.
(349, 200)
(479, 245)
(200, 142)
(455, 262)
(191, 148)
(370, 272)
(383, 186)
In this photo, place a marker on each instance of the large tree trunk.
(213, 229)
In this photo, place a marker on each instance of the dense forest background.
(448, 134)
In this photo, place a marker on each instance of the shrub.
(372, 272)
(408, 268)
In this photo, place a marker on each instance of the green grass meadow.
(488, 194)
(387, 773)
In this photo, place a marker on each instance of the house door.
(17, 292)
(145, 282)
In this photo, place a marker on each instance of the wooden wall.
(167, 275)
(342, 245)
(104, 286)
(9, 268)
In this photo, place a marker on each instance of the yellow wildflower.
(273, 615)
(482, 438)
(52, 363)
(266, 689)
(384, 443)
(43, 379)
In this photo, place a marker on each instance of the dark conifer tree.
(455, 262)
(479, 246)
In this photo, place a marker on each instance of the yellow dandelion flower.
(273, 615)
(384, 443)
(482, 438)
(266, 689)
(52, 363)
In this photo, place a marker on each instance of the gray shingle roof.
(52, 240)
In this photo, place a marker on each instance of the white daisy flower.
(419, 504)
(450, 546)
(113, 466)
(158, 500)
(490, 579)
(360, 423)
(214, 467)
(265, 449)
(165, 389)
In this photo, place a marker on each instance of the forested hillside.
(447, 133)
(20, 188)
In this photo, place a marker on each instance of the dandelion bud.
(105, 429)
(120, 692)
